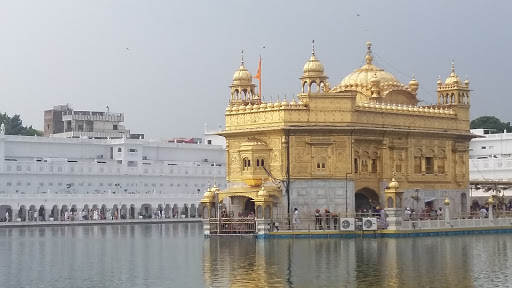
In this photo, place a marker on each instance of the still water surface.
(177, 255)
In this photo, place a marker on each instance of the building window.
(18, 183)
(59, 169)
(417, 165)
(132, 150)
(29, 168)
(50, 184)
(483, 147)
(29, 184)
(9, 184)
(115, 127)
(440, 165)
(59, 184)
(209, 142)
(101, 184)
(398, 164)
(41, 184)
(246, 164)
(18, 168)
(373, 166)
(364, 165)
(356, 165)
(429, 165)
(119, 149)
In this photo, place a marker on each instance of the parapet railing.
(232, 225)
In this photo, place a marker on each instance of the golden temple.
(337, 148)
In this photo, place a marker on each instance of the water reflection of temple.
(410, 262)
(337, 147)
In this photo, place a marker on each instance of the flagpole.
(260, 80)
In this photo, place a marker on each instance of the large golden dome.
(369, 79)
(361, 77)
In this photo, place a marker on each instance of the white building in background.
(62, 121)
(138, 176)
(490, 156)
(490, 163)
(211, 137)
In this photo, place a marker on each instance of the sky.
(167, 64)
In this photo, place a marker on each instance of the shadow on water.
(177, 255)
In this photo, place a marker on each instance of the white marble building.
(139, 176)
(490, 163)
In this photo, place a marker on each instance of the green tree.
(490, 122)
(14, 126)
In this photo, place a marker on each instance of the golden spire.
(313, 48)
(369, 56)
(242, 64)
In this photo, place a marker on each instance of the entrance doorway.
(366, 200)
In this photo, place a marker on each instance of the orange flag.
(258, 74)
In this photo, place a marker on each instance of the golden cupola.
(453, 91)
(242, 88)
(453, 79)
(363, 81)
(414, 84)
(313, 77)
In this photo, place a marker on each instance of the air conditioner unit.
(347, 224)
(369, 224)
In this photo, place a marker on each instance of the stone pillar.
(490, 201)
(447, 215)
(263, 220)
(207, 202)
(394, 209)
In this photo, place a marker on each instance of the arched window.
(323, 165)
(257, 162)
(262, 162)
(317, 165)
(119, 149)
(390, 202)
(246, 164)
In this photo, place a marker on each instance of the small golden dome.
(262, 193)
(447, 201)
(277, 104)
(242, 75)
(393, 184)
(439, 82)
(413, 84)
(263, 106)
(284, 104)
(228, 109)
(490, 201)
(313, 67)
(209, 194)
(467, 81)
(293, 104)
(453, 79)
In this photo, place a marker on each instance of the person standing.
(6, 216)
(296, 220)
